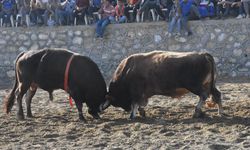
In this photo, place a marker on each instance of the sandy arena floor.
(168, 125)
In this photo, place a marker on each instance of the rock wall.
(227, 40)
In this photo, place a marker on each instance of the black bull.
(141, 76)
(46, 69)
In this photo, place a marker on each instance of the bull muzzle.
(104, 105)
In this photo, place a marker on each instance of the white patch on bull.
(134, 108)
(33, 86)
(208, 78)
(127, 71)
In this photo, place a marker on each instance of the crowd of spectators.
(104, 12)
(69, 12)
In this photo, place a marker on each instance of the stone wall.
(227, 40)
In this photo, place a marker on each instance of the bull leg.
(141, 111)
(94, 114)
(51, 96)
(216, 97)
(30, 94)
(79, 108)
(198, 109)
(22, 89)
(92, 109)
(134, 108)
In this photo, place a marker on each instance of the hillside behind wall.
(227, 40)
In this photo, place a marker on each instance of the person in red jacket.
(132, 5)
(119, 12)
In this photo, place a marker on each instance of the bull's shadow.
(211, 117)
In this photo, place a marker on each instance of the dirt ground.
(168, 125)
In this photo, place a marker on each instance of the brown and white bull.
(52, 69)
(173, 74)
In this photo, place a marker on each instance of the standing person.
(132, 5)
(175, 19)
(119, 12)
(186, 7)
(23, 7)
(107, 11)
(81, 9)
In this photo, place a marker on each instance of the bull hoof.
(96, 116)
(132, 116)
(20, 117)
(198, 114)
(142, 112)
(82, 119)
(224, 115)
(29, 116)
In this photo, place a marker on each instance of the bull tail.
(10, 98)
(216, 94)
(213, 71)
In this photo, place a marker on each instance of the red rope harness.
(66, 78)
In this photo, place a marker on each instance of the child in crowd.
(119, 11)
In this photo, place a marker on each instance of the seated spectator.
(95, 5)
(38, 11)
(238, 4)
(107, 11)
(8, 10)
(224, 7)
(119, 12)
(146, 5)
(23, 7)
(81, 9)
(186, 6)
(206, 8)
(131, 5)
(246, 5)
(65, 12)
(69, 8)
(167, 4)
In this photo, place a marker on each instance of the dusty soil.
(168, 125)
